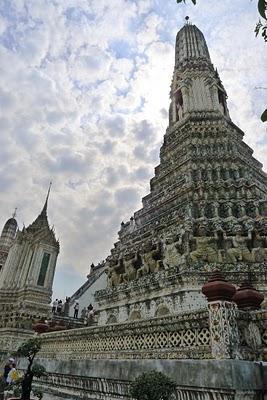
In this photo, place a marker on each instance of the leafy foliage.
(2, 383)
(38, 394)
(38, 370)
(30, 348)
(193, 1)
(16, 390)
(262, 7)
(15, 387)
(152, 385)
(261, 28)
(264, 116)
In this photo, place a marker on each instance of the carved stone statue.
(206, 247)
(239, 251)
(130, 262)
(152, 259)
(253, 336)
(263, 207)
(171, 251)
(114, 270)
(259, 246)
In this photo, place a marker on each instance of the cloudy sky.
(84, 88)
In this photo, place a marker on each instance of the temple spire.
(44, 210)
(15, 213)
(196, 86)
(41, 221)
(191, 47)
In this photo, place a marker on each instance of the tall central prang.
(206, 211)
(207, 205)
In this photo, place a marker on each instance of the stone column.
(222, 317)
(223, 329)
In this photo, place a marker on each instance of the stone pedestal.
(223, 329)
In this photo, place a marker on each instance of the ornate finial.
(50, 184)
(15, 213)
(44, 210)
(187, 20)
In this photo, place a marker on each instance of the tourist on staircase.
(59, 307)
(54, 306)
(76, 309)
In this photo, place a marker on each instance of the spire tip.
(44, 210)
(15, 213)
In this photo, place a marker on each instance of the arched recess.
(162, 310)
(112, 319)
(222, 100)
(179, 103)
(135, 315)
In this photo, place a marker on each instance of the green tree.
(261, 27)
(152, 385)
(29, 350)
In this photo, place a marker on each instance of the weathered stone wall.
(182, 336)
(202, 351)
(219, 331)
(11, 339)
(169, 292)
(196, 379)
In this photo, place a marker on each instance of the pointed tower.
(196, 86)
(206, 208)
(7, 238)
(206, 171)
(27, 276)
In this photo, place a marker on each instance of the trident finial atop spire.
(44, 210)
(15, 213)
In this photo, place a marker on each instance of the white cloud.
(3, 25)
